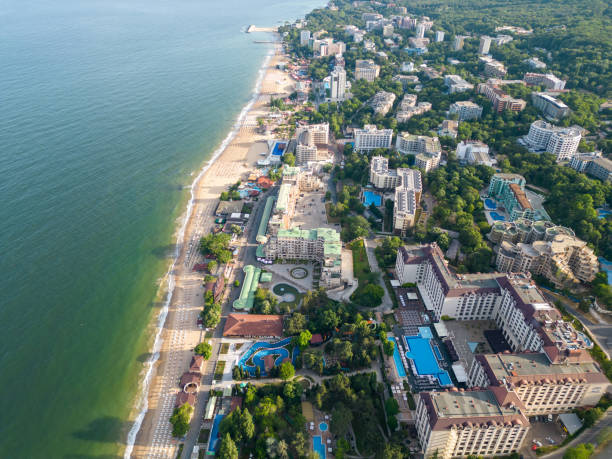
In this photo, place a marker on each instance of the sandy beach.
(180, 333)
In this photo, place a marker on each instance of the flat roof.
(482, 403)
(265, 218)
(571, 422)
(249, 285)
(511, 366)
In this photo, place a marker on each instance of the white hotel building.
(370, 138)
(560, 141)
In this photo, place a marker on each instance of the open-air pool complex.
(213, 443)
(369, 197)
(424, 355)
(397, 358)
(318, 446)
(497, 217)
(255, 356)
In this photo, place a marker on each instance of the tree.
(228, 449)
(392, 451)
(286, 371)
(391, 406)
(354, 227)
(211, 315)
(236, 229)
(295, 324)
(369, 295)
(389, 347)
(303, 339)
(289, 159)
(580, 451)
(341, 419)
(180, 420)
(212, 266)
(444, 241)
(246, 425)
(236, 283)
(584, 305)
(204, 349)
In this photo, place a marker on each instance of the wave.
(143, 402)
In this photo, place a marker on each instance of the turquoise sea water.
(106, 109)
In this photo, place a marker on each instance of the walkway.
(387, 304)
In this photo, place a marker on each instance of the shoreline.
(147, 404)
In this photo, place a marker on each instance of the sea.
(108, 109)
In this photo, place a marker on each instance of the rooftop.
(470, 404)
(253, 325)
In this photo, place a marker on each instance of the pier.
(253, 28)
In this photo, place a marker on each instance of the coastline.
(176, 332)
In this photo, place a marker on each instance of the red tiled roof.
(253, 325)
(196, 364)
(190, 378)
(184, 397)
(265, 182)
(316, 339)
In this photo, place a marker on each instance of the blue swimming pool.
(323, 426)
(421, 352)
(490, 204)
(606, 266)
(369, 197)
(279, 148)
(495, 216)
(397, 358)
(425, 332)
(318, 446)
(261, 349)
(603, 213)
(214, 434)
(437, 352)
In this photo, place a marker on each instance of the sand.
(181, 334)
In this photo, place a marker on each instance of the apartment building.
(564, 260)
(366, 70)
(382, 102)
(459, 42)
(406, 199)
(304, 37)
(543, 387)
(448, 128)
(594, 165)
(466, 110)
(381, 176)
(550, 106)
(485, 45)
(474, 152)
(408, 108)
(526, 231)
(321, 244)
(426, 149)
(460, 423)
(439, 36)
(337, 84)
(492, 67)
(500, 100)
(370, 138)
(509, 190)
(560, 141)
(455, 83)
(548, 80)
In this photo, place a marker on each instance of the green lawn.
(224, 348)
(219, 369)
(361, 267)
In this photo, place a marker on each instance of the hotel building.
(474, 152)
(338, 84)
(509, 190)
(380, 175)
(407, 197)
(455, 83)
(485, 45)
(466, 110)
(500, 100)
(426, 149)
(560, 141)
(594, 165)
(370, 138)
(549, 105)
(366, 70)
(308, 137)
(548, 80)
(460, 423)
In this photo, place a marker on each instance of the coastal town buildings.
(460, 423)
(426, 149)
(337, 84)
(307, 138)
(474, 152)
(500, 100)
(366, 70)
(549, 105)
(565, 260)
(509, 191)
(304, 37)
(382, 102)
(408, 108)
(381, 176)
(535, 63)
(455, 83)
(448, 128)
(560, 141)
(548, 80)
(484, 45)
(466, 110)
(459, 42)
(593, 164)
(370, 138)
(439, 36)
(542, 386)
(407, 197)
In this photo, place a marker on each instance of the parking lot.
(310, 211)
(463, 332)
(543, 431)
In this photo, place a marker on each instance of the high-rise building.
(500, 100)
(466, 110)
(542, 387)
(338, 83)
(458, 42)
(420, 30)
(308, 137)
(485, 45)
(470, 423)
(439, 36)
(380, 175)
(304, 37)
(560, 141)
(594, 165)
(406, 199)
(550, 106)
(366, 70)
(509, 190)
(370, 138)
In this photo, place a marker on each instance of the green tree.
(289, 159)
(303, 339)
(228, 449)
(389, 347)
(580, 451)
(286, 371)
(204, 349)
(180, 420)
(584, 305)
(341, 419)
(246, 425)
(295, 324)
(212, 266)
(391, 406)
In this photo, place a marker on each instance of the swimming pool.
(420, 351)
(490, 204)
(214, 434)
(318, 446)
(425, 332)
(323, 426)
(606, 266)
(603, 213)
(279, 148)
(261, 349)
(495, 216)
(369, 197)
(437, 352)
(397, 358)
